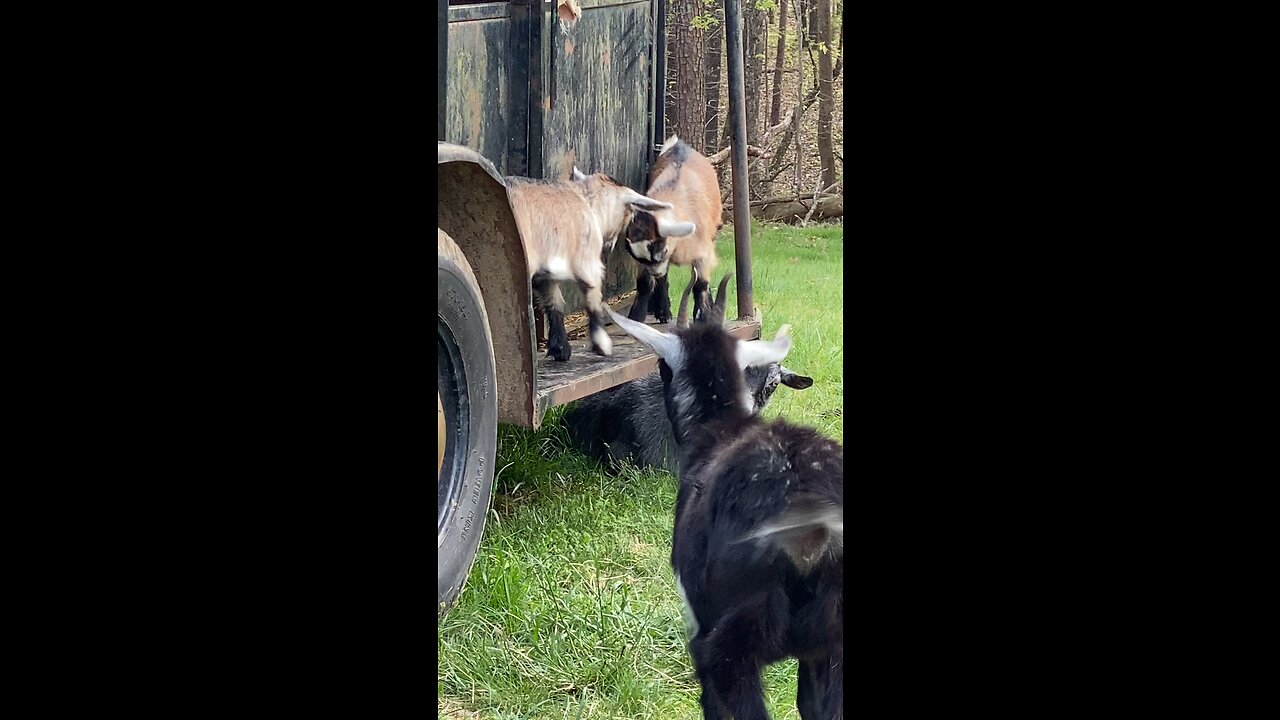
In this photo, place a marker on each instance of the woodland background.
(794, 55)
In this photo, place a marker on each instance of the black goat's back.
(736, 478)
(625, 423)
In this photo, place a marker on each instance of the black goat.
(629, 422)
(758, 547)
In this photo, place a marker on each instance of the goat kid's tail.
(805, 531)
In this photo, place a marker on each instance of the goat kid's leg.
(644, 293)
(660, 301)
(713, 707)
(820, 688)
(601, 343)
(738, 686)
(731, 653)
(553, 305)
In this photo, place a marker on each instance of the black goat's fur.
(629, 422)
(758, 546)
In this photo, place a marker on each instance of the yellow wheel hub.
(440, 437)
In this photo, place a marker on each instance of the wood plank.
(586, 373)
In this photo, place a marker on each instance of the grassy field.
(571, 609)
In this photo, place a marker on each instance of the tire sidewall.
(459, 309)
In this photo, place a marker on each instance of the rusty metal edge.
(448, 152)
(530, 416)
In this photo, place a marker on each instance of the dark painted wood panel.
(586, 100)
(479, 90)
(596, 105)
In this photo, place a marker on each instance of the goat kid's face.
(764, 382)
(647, 235)
(613, 203)
(702, 369)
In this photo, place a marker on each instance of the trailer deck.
(586, 373)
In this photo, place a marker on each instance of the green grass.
(571, 610)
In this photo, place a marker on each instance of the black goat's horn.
(722, 296)
(682, 315)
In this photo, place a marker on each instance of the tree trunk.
(823, 22)
(803, 106)
(685, 68)
(715, 51)
(775, 102)
(802, 38)
(753, 46)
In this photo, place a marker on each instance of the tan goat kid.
(566, 225)
(683, 234)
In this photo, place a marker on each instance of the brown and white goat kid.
(566, 225)
(684, 234)
(758, 547)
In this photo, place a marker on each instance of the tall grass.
(571, 609)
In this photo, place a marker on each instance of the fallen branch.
(827, 207)
(780, 199)
(815, 202)
(752, 151)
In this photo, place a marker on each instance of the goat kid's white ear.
(644, 202)
(577, 174)
(756, 353)
(667, 346)
(667, 228)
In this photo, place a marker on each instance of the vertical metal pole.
(442, 30)
(738, 118)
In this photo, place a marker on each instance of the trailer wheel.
(467, 405)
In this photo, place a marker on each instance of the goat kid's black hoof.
(663, 318)
(560, 353)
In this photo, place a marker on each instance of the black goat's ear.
(792, 380)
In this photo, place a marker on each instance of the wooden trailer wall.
(537, 94)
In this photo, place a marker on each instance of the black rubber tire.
(467, 387)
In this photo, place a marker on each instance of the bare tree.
(800, 36)
(822, 21)
(754, 42)
(802, 106)
(685, 114)
(775, 101)
(714, 53)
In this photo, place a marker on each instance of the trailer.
(533, 88)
